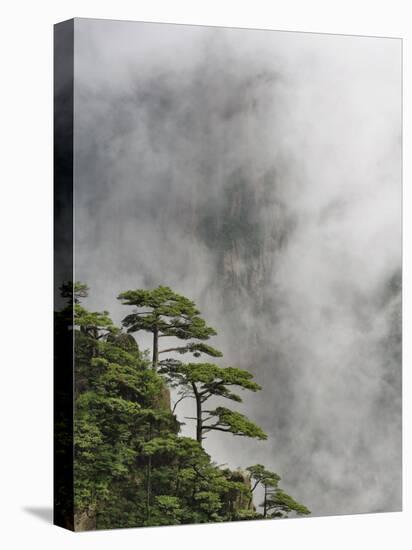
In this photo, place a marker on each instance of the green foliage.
(197, 349)
(233, 422)
(213, 380)
(132, 467)
(277, 503)
(93, 322)
(168, 510)
(74, 291)
(172, 314)
(202, 381)
(259, 474)
(166, 313)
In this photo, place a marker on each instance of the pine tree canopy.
(168, 314)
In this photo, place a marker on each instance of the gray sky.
(258, 173)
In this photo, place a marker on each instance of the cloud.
(259, 174)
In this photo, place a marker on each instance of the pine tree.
(202, 381)
(167, 314)
(276, 503)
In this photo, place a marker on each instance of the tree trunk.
(155, 360)
(265, 502)
(198, 414)
(177, 479)
(149, 478)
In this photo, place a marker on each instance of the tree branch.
(171, 349)
(209, 428)
(214, 385)
(255, 485)
(178, 401)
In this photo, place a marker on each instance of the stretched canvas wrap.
(227, 274)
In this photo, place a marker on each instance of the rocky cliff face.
(163, 399)
(85, 521)
(244, 229)
(237, 502)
